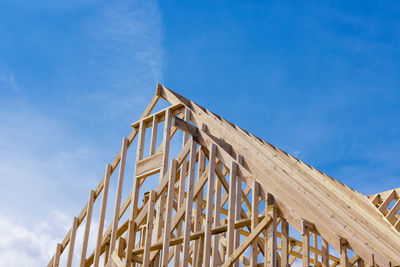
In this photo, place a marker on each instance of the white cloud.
(25, 244)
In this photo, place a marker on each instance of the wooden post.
(72, 241)
(209, 208)
(89, 212)
(238, 210)
(306, 245)
(167, 224)
(102, 215)
(325, 253)
(217, 205)
(181, 194)
(131, 235)
(197, 251)
(118, 195)
(344, 261)
(254, 221)
(164, 167)
(271, 234)
(230, 238)
(150, 214)
(189, 205)
(285, 243)
(315, 243)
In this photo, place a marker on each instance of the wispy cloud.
(127, 38)
(23, 245)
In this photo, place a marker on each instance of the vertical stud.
(134, 198)
(117, 207)
(254, 221)
(271, 234)
(325, 253)
(102, 215)
(209, 208)
(189, 205)
(56, 260)
(149, 231)
(168, 215)
(89, 212)
(230, 234)
(72, 241)
(285, 243)
(306, 246)
(344, 261)
(217, 205)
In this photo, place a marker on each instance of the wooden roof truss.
(227, 198)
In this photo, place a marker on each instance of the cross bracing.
(227, 198)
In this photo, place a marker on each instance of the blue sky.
(320, 80)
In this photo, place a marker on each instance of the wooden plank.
(344, 260)
(246, 243)
(149, 231)
(189, 205)
(72, 241)
(186, 118)
(209, 208)
(131, 235)
(315, 243)
(117, 207)
(271, 234)
(238, 205)
(164, 167)
(325, 253)
(56, 260)
(285, 243)
(306, 246)
(181, 196)
(102, 215)
(254, 221)
(149, 166)
(168, 215)
(215, 251)
(87, 228)
(197, 246)
(230, 235)
(178, 248)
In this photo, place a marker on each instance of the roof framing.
(227, 199)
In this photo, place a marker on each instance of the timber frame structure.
(227, 198)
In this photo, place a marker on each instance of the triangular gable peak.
(223, 197)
